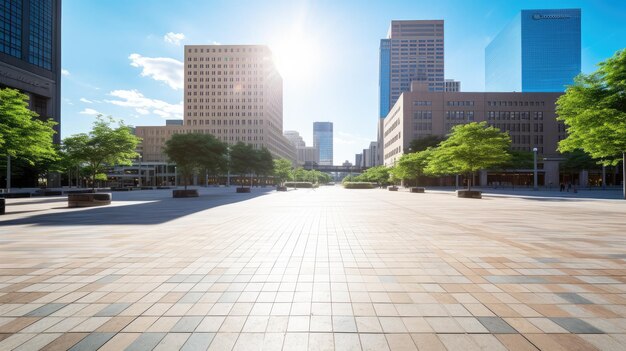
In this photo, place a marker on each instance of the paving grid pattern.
(317, 270)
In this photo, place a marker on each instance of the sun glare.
(297, 56)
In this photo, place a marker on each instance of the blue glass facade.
(40, 34)
(385, 76)
(539, 51)
(11, 27)
(323, 141)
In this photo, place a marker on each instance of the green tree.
(377, 174)
(468, 149)
(576, 161)
(519, 160)
(105, 145)
(243, 159)
(411, 166)
(282, 170)
(263, 163)
(193, 152)
(22, 134)
(594, 112)
(424, 143)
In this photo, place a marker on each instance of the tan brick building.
(233, 92)
(530, 119)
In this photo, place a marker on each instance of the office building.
(530, 119)
(452, 85)
(538, 51)
(358, 159)
(233, 92)
(305, 155)
(30, 61)
(412, 51)
(323, 141)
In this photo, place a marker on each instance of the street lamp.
(535, 168)
(175, 178)
(139, 171)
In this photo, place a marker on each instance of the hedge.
(359, 185)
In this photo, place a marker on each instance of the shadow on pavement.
(154, 212)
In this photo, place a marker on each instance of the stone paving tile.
(92, 341)
(575, 325)
(323, 269)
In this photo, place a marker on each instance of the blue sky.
(119, 60)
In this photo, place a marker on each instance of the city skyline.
(139, 78)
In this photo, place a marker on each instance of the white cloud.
(216, 43)
(89, 111)
(143, 105)
(163, 69)
(65, 72)
(174, 38)
(86, 101)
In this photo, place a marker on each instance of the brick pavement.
(318, 270)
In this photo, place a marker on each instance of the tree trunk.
(470, 181)
(624, 174)
(8, 174)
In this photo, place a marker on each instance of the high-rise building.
(538, 51)
(233, 92)
(323, 141)
(358, 158)
(412, 51)
(30, 61)
(305, 155)
(452, 85)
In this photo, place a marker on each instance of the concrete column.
(482, 178)
(195, 179)
(551, 173)
(583, 178)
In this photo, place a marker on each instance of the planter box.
(469, 194)
(417, 190)
(185, 193)
(281, 188)
(393, 188)
(121, 189)
(2, 205)
(164, 187)
(88, 191)
(88, 200)
(243, 190)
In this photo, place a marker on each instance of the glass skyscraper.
(323, 141)
(412, 51)
(30, 61)
(538, 51)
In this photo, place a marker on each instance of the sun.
(297, 56)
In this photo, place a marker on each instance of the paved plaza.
(313, 269)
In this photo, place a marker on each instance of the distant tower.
(323, 141)
(538, 51)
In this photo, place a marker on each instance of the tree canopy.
(377, 174)
(412, 165)
(421, 144)
(105, 145)
(282, 170)
(22, 134)
(194, 151)
(593, 110)
(468, 149)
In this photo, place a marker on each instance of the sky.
(124, 57)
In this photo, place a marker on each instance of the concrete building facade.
(529, 118)
(538, 51)
(306, 155)
(452, 85)
(30, 61)
(233, 92)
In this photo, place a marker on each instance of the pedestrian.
(569, 187)
(562, 187)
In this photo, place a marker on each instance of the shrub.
(359, 185)
(299, 185)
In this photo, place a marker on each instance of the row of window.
(250, 65)
(218, 50)
(422, 126)
(226, 100)
(225, 114)
(421, 115)
(460, 115)
(514, 115)
(516, 103)
(460, 103)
